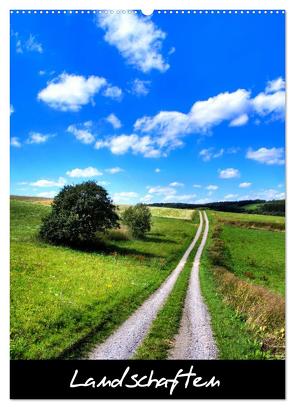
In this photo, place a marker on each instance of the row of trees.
(80, 212)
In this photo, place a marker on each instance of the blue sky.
(175, 107)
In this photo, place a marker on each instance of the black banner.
(147, 379)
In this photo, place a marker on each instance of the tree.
(138, 220)
(77, 213)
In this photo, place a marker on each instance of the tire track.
(195, 338)
(124, 341)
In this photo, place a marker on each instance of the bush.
(78, 212)
(138, 220)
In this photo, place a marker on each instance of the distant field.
(186, 214)
(59, 296)
(244, 217)
(256, 255)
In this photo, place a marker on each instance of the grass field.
(243, 279)
(60, 296)
(256, 255)
(278, 221)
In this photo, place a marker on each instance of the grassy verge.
(64, 300)
(159, 340)
(247, 320)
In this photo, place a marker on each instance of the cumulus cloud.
(137, 39)
(162, 190)
(176, 184)
(245, 184)
(275, 85)
(114, 121)
(147, 198)
(157, 170)
(82, 133)
(15, 142)
(273, 156)
(38, 138)
(69, 92)
(124, 197)
(84, 173)
(49, 183)
(240, 120)
(210, 153)
(122, 144)
(197, 186)
(114, 170)
(229, 173)
(113, 92)
(140, 87)
(179, 198)
(168, 128)
(212, 187)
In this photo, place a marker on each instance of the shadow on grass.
(106, 247)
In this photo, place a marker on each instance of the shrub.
(78, 212)
(138, 220)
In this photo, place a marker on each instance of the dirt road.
(195, 339)
(124, 341)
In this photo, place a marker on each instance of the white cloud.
(83, 134)
(140, 87)
(229, 173)
(157, 170)
(176, 184)
(113, 92)
(266, 194)
(137, 39)
(273, 156)
(83, 173)
(69, 92)
(230, 196)
(147, 198)
(49, 183)
(245, 184)
(114, 170)
(125, 197)
(212, 187)
(50, 194)
(114, 121)
(129, 143)
(33, 45)
(162, 190)
(15, 142)
(266, 104)
(179, 198)
(11, 109)
(210, 153)
(275, 85)
(272, 100)
(240, 120)
(197, 186)
(37, 138)
(30, 45)
(168, 128)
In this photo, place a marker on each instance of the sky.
(167, 108)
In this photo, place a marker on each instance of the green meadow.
(63, 300)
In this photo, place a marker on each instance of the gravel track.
(125, 340)
(195, 339)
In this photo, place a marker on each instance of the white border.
(5, 6)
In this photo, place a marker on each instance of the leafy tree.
(78, 212)
(138, 219)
